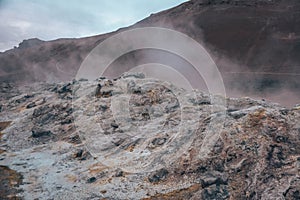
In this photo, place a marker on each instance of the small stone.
(159, 141)
(98, 91)
(91, 180)
(114, 125)
(79, 153)
(158, 175)
(36, 133)
(31, 105)
(119, 173)
(103, 107)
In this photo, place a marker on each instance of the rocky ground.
(136, 138)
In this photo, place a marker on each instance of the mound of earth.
(140, 138)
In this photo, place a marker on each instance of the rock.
(24, 98)
(158, 176)
(91, 180)
(74, 139)
(66, 88)
(41, 111)
(159, 141)
(79, 153)
(98, 91)
(103, 107)
(38, 132)
(31, 105)
(119, 173)
(210, 179)
(82, 154)
(114, 125)
(68, 120)
(215, 192)
(106, 92)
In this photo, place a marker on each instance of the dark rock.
(158, 176)
(293, 192)
(82, 154)
(119, 173)
(79, 153)
(41, 110)
(201, 169)
(114, 125)
(68, 120)
(209, 180)
(37, 133)
(91, 180)
(74, 139)
(284, 111)
(47, 118)
(24, 98)
(98, 91)
(215, 192)
(103, 107)
(106, 94)
(146, 116)
(275, 156)
(280, 138)
(159, 141)
(66, 88)
(31, 105)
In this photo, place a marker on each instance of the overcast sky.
(52, 19)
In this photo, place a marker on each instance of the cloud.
(52, 19)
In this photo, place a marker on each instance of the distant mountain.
(255, 44)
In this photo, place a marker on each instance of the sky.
(52, 19)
